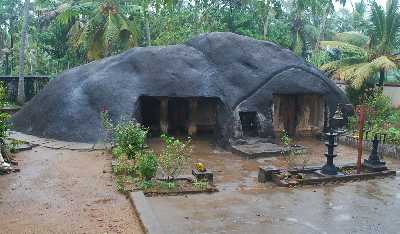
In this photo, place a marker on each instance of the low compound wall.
(390, 90)
(33, 84)
(393, 91)
(384, 149)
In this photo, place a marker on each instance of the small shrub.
(167, 184)
(147, 165)
(175, 156)
(200, 184)
(107, 125)
(4, 117)
(146, 184)
(124, 166)
(130, 137)
(117, 152)
(292, 156)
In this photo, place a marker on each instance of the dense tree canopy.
(65, 33)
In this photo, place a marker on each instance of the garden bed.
(162, 187)
(313, 175)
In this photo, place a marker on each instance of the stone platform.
(257, 148)
(54, 144)
(313, 175)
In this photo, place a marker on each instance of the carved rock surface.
(243, 73)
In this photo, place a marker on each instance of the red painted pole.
(361, 122)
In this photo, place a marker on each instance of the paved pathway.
(245, 206)
(54, 144)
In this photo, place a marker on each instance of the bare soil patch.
(64, 191)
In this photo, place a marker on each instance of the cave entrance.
(249, 123)
(194, 116)
(150, 114)
(178, 116)
(298, 115)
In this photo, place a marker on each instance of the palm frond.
(111, 32)
(377, 28)
(392, 23)
(357, 74)
(348, 50)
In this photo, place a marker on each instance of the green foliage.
(117, 152)
(167, 184)
(130, 137)
(124, 166)
(381, 118)
(147, 164)
(352, 38)
(146, 184)
(175, 156)
(292, 155)
(200, 184)
(319, 57)
(359, 95)
(4, 117)
(107, 125)
(347, 50)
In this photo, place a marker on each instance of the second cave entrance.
(299, 115)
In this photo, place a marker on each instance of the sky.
(348, 4)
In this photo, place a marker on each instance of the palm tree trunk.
(266, 19)
(148, 35)
(323, 24)
(381, 77)
(146, 18)
(24, 33)
(7, 64)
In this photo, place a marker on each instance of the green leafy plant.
(130, 137)
(291, 154)
(167, 184)
(124, 166)
(107, 125)
(175, 157)
(147, 164)
(381, 118)
(4, 117)
(146, 184)
(117, 152)
(200, 184)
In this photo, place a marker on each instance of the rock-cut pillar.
(192, 125)
(164, 115)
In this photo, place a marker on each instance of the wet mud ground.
(63, 191)
(245, 206)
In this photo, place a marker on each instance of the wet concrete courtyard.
(245, 206)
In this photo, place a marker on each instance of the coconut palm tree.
(384, 34)
(24, 35)
(99, 27)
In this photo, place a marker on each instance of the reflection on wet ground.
(245, 206)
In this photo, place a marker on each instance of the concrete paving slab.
(245, 206)
(51, 143)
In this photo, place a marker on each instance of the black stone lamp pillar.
(329, 168)
(373, 162)
(337, 121)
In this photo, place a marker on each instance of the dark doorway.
(150, 113)
(249, 123)
(289, 103)
(178, 116)
(298, 115)
(206, 116)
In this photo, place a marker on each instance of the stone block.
(206, 175)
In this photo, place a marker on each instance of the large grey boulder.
(243, 73)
